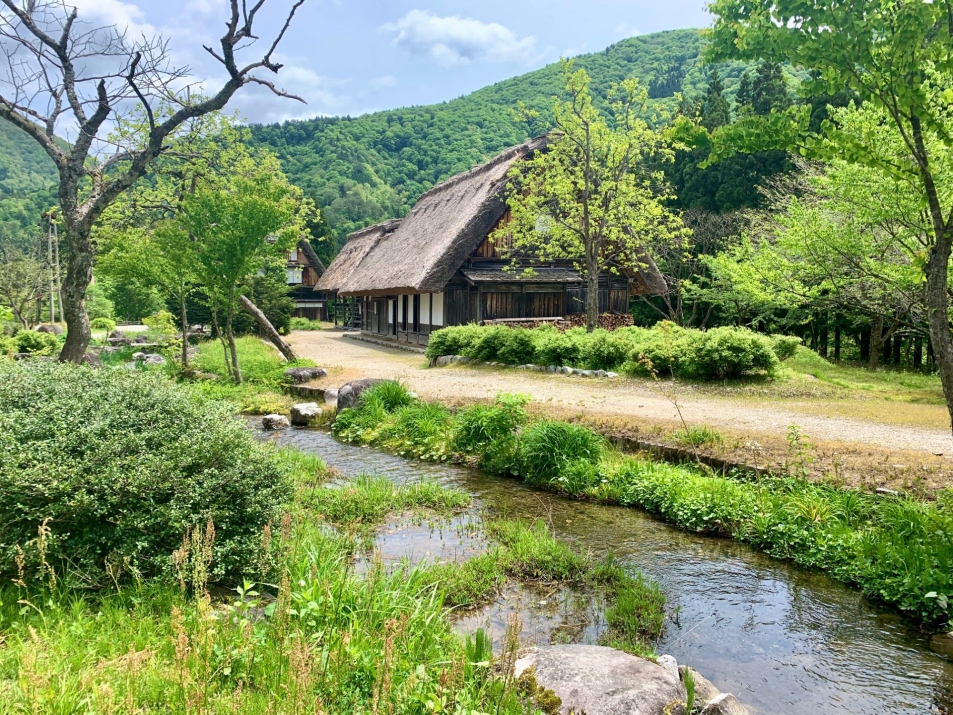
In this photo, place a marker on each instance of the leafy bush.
(723, 353)
(452, 340)
(784, 346)
(30, 341)
(604, 350)
(490, 431)
(554, 347)
(391, 394)
(160, 323)
(548, 448)
(101, 323)
(305, 324)
(105, 471)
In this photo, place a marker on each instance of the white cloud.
(125, 16)
(385, 82)
(455, 40)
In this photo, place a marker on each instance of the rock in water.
(273, 422)
(297, 375)
(153, 359)
(303, 413)
(604, 681)
(705, 691)
(349, 393)
(670, 664)
(330, 395)
(724, 704)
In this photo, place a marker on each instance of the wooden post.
(269, 329)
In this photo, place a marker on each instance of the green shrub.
(160, 323)
(548, 448)
(519, 347)
(118, 466)
(451, 340)
(30, 341)
(784, 346)
(101, 323)
(490, 432)
(605, 350)
(724, 353)
(391, 394)
(488, 344)
(304, 324)
(554, 347)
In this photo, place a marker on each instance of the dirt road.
(632, 401)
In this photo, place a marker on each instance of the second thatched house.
(437, 267)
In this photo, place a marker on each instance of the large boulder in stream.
(304, 413)
(724, 704)
(350, 392)
(604, 681)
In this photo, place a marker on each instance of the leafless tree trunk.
(268, 328)
(61, 73)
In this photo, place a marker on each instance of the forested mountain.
(27, 178)
(365, 169)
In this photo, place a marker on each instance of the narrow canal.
(784, 640)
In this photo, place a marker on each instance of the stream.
(784, 640)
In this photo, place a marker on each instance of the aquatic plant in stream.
(548, 449)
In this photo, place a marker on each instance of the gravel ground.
(621, 398)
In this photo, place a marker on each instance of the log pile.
(607, 321)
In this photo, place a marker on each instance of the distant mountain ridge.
(364, 169)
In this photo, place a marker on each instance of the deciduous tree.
(61, 73)
(897, 56)
(596, 194)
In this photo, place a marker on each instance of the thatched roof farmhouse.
(436, 267)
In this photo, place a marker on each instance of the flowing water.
(784, 640)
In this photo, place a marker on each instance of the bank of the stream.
(786, 640)
(895, 549)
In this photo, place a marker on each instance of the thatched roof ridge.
(440, 232)
(304, 245)
(354, 251)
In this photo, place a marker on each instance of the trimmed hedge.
(666, 349)
(119, 465)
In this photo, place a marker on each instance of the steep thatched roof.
(304, 245)
(539, 275)
(422, 252)
(439, 233)
(357, 247)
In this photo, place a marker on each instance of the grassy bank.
(291, 628)
(895, 549)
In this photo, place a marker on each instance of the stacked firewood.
(607, 321)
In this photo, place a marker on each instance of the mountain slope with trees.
(365, 169)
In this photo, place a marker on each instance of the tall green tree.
(897, 56)
(596, 193)
(236, 229)
(68, 72)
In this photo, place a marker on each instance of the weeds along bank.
(126, 500)
(895, 549)
(665, 349)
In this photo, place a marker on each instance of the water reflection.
(785, 640)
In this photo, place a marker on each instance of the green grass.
(262, 369)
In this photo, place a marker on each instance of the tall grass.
(895, 549)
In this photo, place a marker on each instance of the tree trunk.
(918, 352)
(592, 300)
(230, 336)
(269, 329)
(219, 333)
(184, 320)
(888, 342)
(79, 274)
(876, 341)
(938, 304)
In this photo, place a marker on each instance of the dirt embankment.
(758, 431)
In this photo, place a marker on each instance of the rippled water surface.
(784, 640)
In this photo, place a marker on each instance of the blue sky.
(356, 56)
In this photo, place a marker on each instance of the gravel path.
(620, 397)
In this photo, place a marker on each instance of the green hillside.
(365, 169)
(27, 178)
